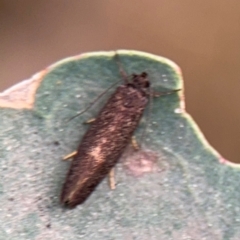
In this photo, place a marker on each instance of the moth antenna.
(120, 68)
(94, 101)
(148, 117)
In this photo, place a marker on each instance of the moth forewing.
(106, 139)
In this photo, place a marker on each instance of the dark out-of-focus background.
(202, 37)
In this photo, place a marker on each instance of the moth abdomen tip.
(68, 204)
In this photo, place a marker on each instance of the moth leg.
(91, 120)
(72, 154)
(111, 179)
(134, 143)
(159, 94)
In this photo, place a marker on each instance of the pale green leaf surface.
(190, 193)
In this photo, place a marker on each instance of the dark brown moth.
(106, 139)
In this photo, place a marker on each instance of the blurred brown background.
(202, 37)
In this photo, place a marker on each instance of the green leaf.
(176, 187)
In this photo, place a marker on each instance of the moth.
(105, 140)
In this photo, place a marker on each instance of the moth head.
(140, 81)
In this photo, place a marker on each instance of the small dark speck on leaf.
(56, 143)
(48, 225)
